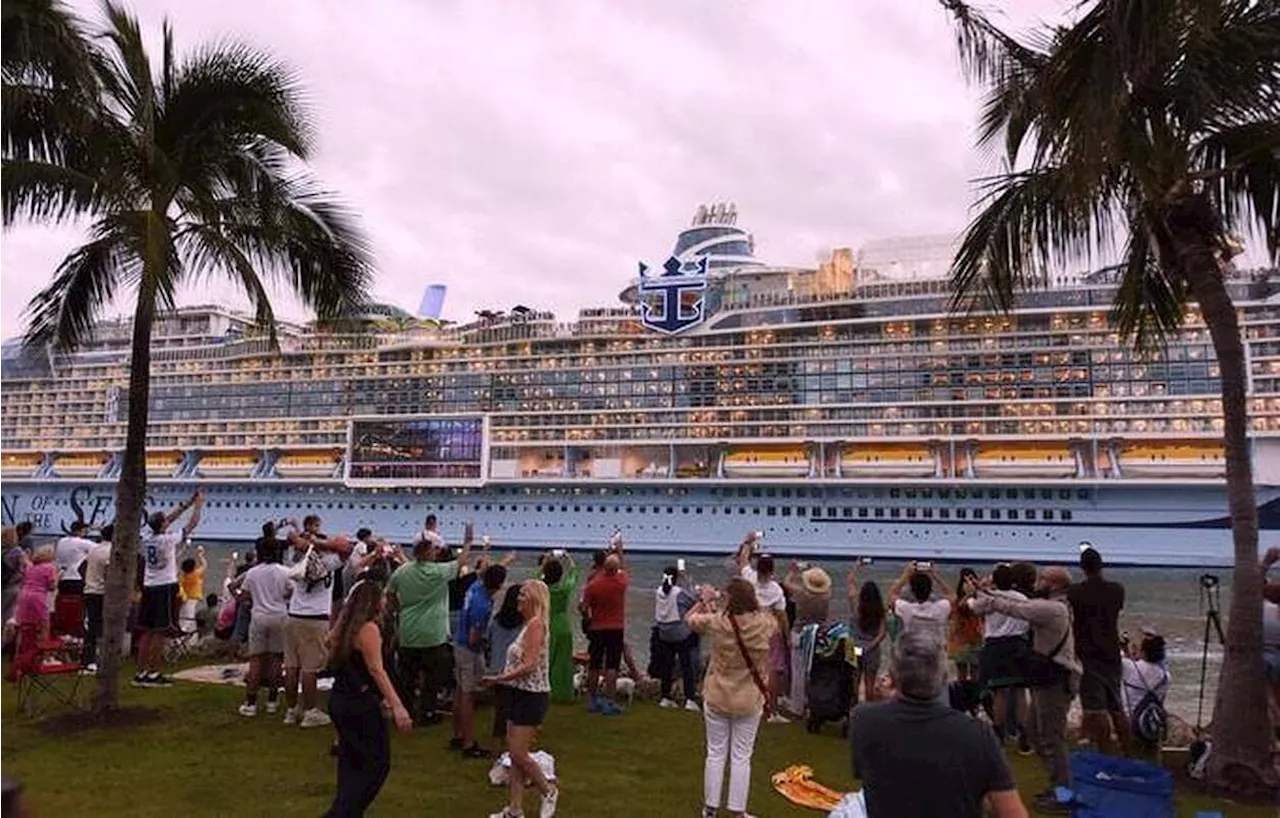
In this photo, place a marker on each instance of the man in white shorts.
(305, 654)
(160, 587)
(268, 586)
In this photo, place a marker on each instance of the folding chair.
(48, 675)
(184, 639)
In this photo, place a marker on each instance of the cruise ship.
(840, 409)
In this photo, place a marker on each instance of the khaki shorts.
(468, 667)
(304, 644)
(266, 634)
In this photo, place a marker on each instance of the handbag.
(751, 666)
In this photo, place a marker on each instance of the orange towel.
(796, 784)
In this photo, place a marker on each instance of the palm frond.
(227, 95)
(43, 191)
(1228, 70)
(42, 42)
(63, 313)
(208, 252)
(1149, 304)
(1029, 222)
(126, 70)
(987, 53)
(1242, 164)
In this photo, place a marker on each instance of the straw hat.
(816, 581)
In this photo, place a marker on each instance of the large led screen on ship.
(410, 450)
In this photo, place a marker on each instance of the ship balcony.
(308, 465)
(17, 466)
(80, 466)
(163, 464)
(227, 465)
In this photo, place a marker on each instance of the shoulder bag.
(751, 666)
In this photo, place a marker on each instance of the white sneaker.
(549, 801)
(272, 706)
(315, 718)
(668, 703)
(248, 710)
(692, 706)
(778, 718)
(291, 716)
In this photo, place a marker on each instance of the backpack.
(1150, 721)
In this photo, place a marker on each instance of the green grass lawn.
(201, 758)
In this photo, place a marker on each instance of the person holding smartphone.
(675, 642)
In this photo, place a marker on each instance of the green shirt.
(422, 589)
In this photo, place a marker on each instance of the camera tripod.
(1209, 600)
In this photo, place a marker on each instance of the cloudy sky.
(533, 152)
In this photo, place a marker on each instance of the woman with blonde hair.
(32, 614)
(360, 686)
(735, 691)
(526, 677)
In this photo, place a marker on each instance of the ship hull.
(1182, 525)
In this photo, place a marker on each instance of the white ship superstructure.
(840, 409)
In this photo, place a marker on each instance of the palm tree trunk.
(1241, 761)
(131, 494)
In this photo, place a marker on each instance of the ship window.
(755, 492)
(894, 492)
(944, 494)
(1028, 494)
(1047, 514)
(1031, 514)
(848, 512)
(911, 514)
(1012, 514)
(802, 511)
(742, 492)
(772, 511)
(1012, 494)
(927, 513)
(786, 511)
(944, 513)
(862, 512)
(977, 514)
(910, 494)
(755, 510)
(671, 510)
(879, 512)
(1064, 494)
(576, 509)
(1065, 514)
(742, 510)
(1082, 494)
(490, 508)
(564, 508)
(770, 492)
(786, 492)
(927, 494)
(1046, 494)
(995, 513)
(831, 512)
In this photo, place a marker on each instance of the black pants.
(364, 751)
(93, 626)
(421, 675)
(686, 653)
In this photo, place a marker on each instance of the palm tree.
(196, 172)
(1161, 120)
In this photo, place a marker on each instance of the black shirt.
(925, 760)
(1095, 611)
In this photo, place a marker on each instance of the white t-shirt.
(160, 559)
(1138, 676)
(95, 569)
(432, 537)
(919, 616)
(997, 625)
(769, 594)
(268, 585)
(319, 600)
(69, 553)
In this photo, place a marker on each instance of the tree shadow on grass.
(84, 720)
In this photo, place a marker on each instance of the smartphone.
(757, 535)
(680, 564)
(1085, 546)
(924, 565)
(857, 650)
(864, 560)
(557, 552)
(484, 540)
(235, 555)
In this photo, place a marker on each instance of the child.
(40, 579)
(191, 589)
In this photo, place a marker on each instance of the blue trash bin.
(1107, 787)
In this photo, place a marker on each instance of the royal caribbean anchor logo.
(672, 301)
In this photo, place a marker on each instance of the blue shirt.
(476, 609)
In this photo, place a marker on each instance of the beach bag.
(1107, 787)
(1149, 721)
(1042, 671)
(310, 568)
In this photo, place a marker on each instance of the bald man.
(1055, 671)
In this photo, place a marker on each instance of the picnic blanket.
(233, 674)
(796, 784)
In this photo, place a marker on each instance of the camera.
(680, 564)
(557, 552)
(1209, 581)
(864, 560)
(924, 565)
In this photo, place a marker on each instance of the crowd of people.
(407, 634)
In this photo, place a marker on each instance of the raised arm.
(792, 579)
(468, 537)
(895, 590)
(745, 549)
(181, 508)
(851, 589)
(197, 503)
(944, 589)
